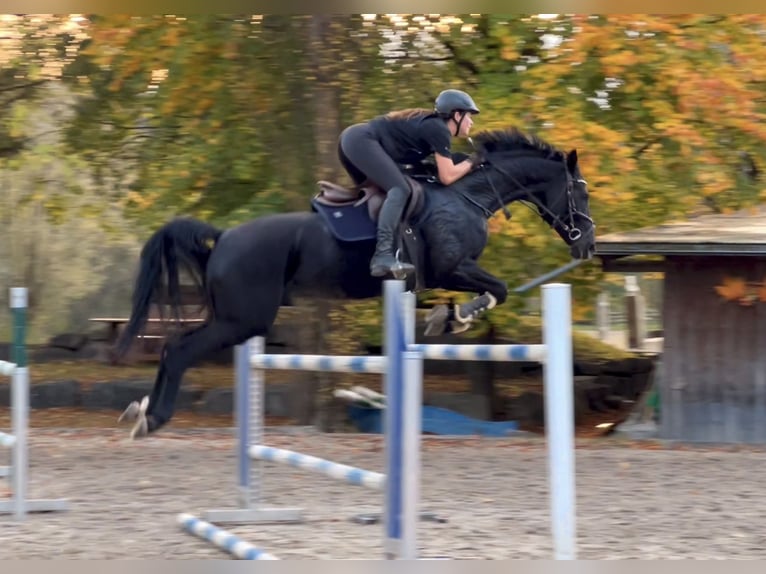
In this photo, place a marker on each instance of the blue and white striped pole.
(532, 353)
(222, 539)
(344, 472)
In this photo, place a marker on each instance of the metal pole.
(413, 393)
(20, 400)
(393, 421)
(250, 406)
(249, 418)
(19, 504)
(559, 416)
(548, 276)
(412, 411)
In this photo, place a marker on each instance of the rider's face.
(465, 125)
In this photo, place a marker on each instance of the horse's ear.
(572, 160)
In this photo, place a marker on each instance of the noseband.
(573, 232)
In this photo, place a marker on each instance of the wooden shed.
(712, 378)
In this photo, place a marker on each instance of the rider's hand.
(477, 159)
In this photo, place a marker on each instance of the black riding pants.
(364, 158)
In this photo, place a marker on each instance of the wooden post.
(635, 311)
(602, 315)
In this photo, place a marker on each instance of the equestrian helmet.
(449, 101)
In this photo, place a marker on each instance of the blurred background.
(111, 125)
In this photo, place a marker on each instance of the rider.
(374, 151)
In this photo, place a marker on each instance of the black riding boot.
(388, 221)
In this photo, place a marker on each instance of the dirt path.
(69, 418)
(632, 503)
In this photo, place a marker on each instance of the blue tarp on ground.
(436, 420)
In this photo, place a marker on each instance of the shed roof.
(739, 233)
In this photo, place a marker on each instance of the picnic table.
(114, 325)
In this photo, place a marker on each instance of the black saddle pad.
(347, 222)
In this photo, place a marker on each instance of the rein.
(572, 230)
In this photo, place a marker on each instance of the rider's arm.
(435, 132)
(451, 172)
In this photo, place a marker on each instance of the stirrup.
(399, 269)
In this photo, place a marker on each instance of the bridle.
(573, 232)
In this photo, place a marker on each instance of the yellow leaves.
(605, 136)
(614, 64)
(172, 37)
(495, 224)
(581, 310)
(509, 53)
(168, 106)
(715, 180)
(203, 105)
(509, 46)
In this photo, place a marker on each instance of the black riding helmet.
(449, 101)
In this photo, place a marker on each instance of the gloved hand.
(477, 159)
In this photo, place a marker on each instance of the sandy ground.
(633, 502)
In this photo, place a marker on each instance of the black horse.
(247, 272)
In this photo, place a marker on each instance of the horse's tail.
(182, 243)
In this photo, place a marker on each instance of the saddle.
(335, 195)
(352, 215)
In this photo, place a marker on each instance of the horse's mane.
(512, 139)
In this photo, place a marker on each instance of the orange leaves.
(614, 64)
(732, 288)
(740, 291)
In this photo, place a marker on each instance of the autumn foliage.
(230, 117)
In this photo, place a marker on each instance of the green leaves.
(229, 117)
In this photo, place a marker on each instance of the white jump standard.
(402, 366)
(18, 471)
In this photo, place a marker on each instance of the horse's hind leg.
(136, 411)
(178, 356)
(239, 313)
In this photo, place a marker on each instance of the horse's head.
(522, 167)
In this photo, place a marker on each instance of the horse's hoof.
(456, 327)
(130, 414)
(140, 429)
(467, 312)
(436, 321)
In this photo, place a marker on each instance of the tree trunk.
(325, 96)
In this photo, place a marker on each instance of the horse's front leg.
(469, 278)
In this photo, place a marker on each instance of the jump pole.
(19, 505)
(548, 276)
